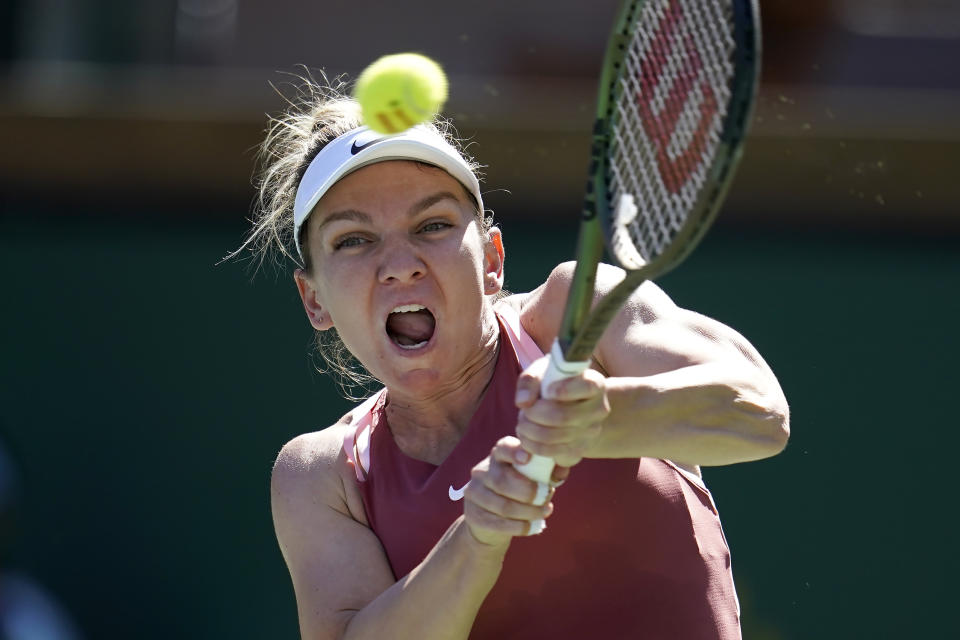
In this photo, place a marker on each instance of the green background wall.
(145, 391)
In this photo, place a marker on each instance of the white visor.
(362, 146)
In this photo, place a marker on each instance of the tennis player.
(407, 518)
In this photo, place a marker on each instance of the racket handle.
(540, 468)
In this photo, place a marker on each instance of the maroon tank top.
(634, 549)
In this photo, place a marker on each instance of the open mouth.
(410, 326)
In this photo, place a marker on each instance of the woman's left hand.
(565, 425)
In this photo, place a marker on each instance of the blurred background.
(145, 389)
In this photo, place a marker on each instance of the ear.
(318, 316)
(493, 262)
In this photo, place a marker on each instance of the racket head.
(676, 97)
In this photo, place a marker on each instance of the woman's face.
(400, 267)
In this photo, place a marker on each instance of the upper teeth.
(404, 308)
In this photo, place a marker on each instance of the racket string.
(672, 98)
(631, 154)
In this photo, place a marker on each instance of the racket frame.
(581, 328)
(584, 322)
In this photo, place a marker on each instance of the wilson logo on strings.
(662, 126)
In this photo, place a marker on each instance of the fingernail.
(521, 456)
(523, 395)
(559, 476)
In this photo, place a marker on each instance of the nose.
(400, 263)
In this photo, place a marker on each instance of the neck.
(429, 427)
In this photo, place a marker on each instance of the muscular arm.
(680, 386)
(342, 579)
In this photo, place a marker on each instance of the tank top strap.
(523, 345)
(356, 441)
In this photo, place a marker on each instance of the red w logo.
(661, 127)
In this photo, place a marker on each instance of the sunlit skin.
(666, 383)
(414, 238)
(663, 383)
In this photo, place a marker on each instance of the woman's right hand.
(499, 500)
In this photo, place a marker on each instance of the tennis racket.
(676, 94)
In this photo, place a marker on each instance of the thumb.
(528, 384)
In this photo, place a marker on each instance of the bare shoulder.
(542, 308)
(650, 334)
(311, 450)
(336, 562)
(312, 467)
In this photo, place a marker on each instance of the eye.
(348, 241)
(434, 226)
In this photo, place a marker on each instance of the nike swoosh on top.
(357, 148)
(457, 494)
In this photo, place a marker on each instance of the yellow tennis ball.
(399, 91)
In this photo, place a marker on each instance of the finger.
(528, 392)
(564, 454)
(565, 417)
(527, 431)
(504, 480)
(586, 385)
(478, 517)
(559, 476)
(509, 450)
(567, 454)
(566, 413)
(482, 496)
(488, 522)
(528, 383)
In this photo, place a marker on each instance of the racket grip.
(540, 468)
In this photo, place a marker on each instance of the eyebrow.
(431, 200)
(354, 215)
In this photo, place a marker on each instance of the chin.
(419, 381)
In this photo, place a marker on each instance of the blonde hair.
(317, 112)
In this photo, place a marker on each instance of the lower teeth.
(412, 346)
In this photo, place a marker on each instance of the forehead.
(391, 180)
